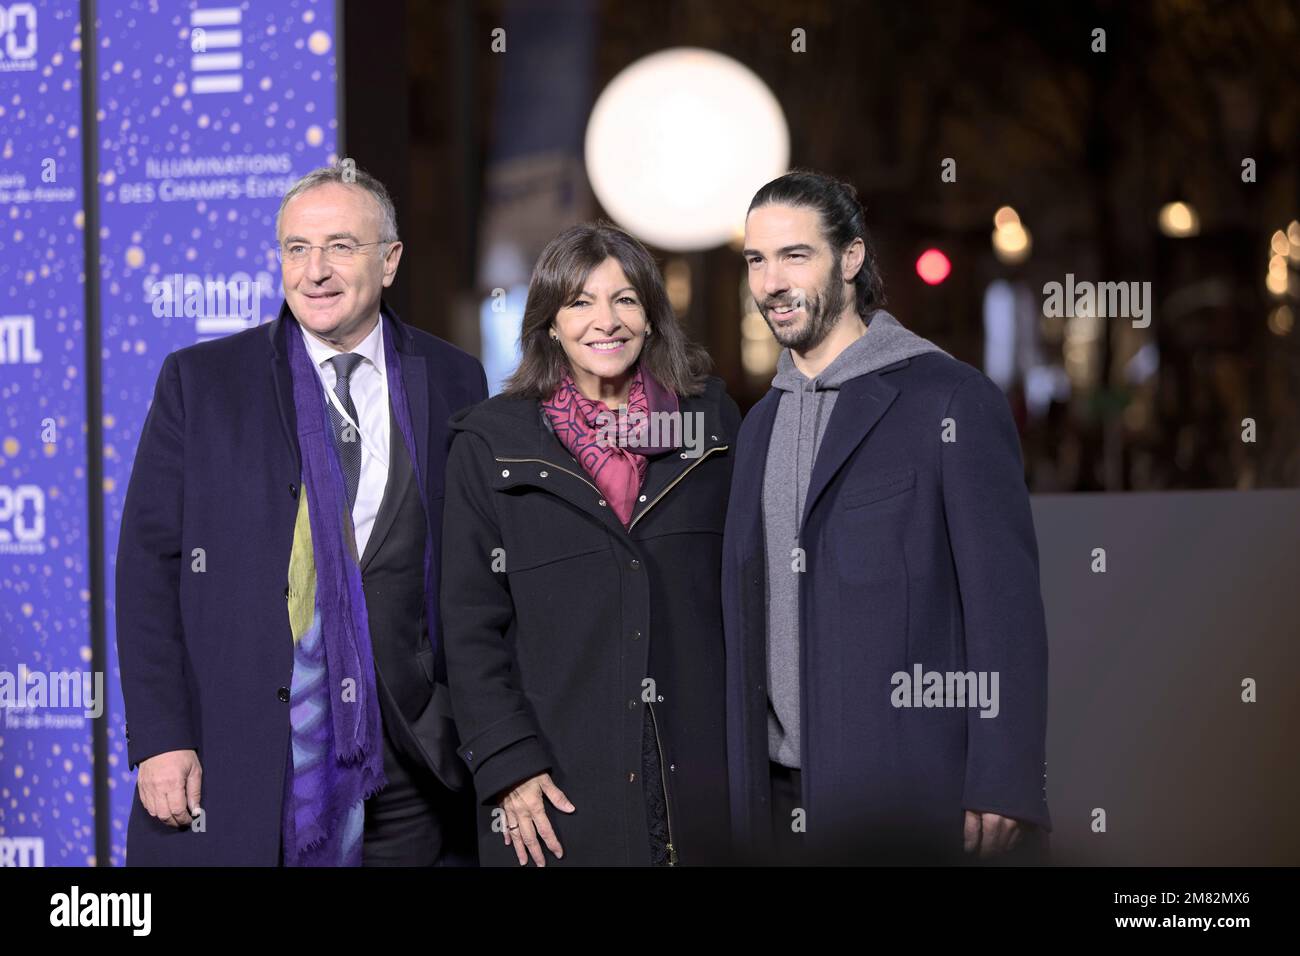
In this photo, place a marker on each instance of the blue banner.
(206, 114)
(48, 692)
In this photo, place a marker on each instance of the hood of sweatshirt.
(885, 342)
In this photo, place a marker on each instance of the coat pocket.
(878, 487)
(869, 533)
(425, 657)
(541, 529)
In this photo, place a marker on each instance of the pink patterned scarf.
(612, 447)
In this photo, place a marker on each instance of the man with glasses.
(277, 573)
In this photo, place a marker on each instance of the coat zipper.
(551, 464)
(673, 483)
(663, 777)
(657, 498)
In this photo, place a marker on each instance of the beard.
(821, 312)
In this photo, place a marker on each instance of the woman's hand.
(526, 822)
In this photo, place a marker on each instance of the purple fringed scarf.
(355, 730)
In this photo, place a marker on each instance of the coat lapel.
(282, 376)
(415, 380)
(415, 376)
(399, 477)
(861, 403)
(751, 463)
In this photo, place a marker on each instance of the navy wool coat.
(919, 550)
(207, 658)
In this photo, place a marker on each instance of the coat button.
(283, 694)
(672, 768)
(293, 491)
(631, 777)
(642, 498)
(684, 455)
(634, 564)
(636, 635)
(505, 472)
(631, 705)
(543, 474)
(469, 756)
(601, 502)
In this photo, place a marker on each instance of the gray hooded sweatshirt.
(801, 419)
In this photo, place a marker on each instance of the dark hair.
(561, 270)
(843, 219)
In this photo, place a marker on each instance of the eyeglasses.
(340, 250)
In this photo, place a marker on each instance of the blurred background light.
(1281, 320)
(758, 349)
(1277, 280)
(677, 282)
(678, 143)
(1000, 333)
(1011, 240)
(933, 266)
(501, 316)
(1179, 220)
(1006, 216)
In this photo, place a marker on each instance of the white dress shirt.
(368, 387)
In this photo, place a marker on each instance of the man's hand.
(526, 818)
(170, 785)
(990, 834)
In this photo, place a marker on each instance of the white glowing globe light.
(678, 144)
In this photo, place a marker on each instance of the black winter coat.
(556, 619)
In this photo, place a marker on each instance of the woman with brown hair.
(582, 542)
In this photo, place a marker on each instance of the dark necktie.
(346, 439)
